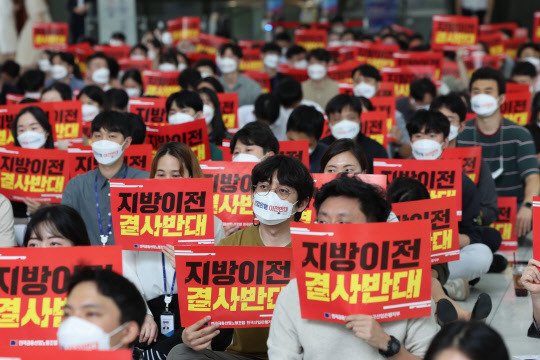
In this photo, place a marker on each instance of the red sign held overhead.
(210, 43)
(160, 83)
(486, 29)
(378, 55)
(310, 39)
(342, 72)
(421, 58)
(404, 75)
(139, 65)
(251, 60)
(115, 52)
(506, 222)
(495, 43)
(184, 28)
(448, 32)
(50, 35)
(194, 134)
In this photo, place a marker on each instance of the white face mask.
(270, 209)
(316, 71)
(181, 66)
(271, 61)
(32, 95)
(59, 72)
(116, 42)
(133, 92)
(180, 118)
(137, 57)
(78, 334)
(245, 158)
(334, 43)
(302, 64)
(484, 105)
(89, 112)
(107, 152)
(208, 113)
(454, 131)
(345, 129)
(426, 149)
(32, 139)
(166, 38)
(44, 65)
(227, 65)
(365, 90)
(151, 54)
(101, 76)
(167, 67)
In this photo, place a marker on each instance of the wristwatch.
(393, 348)
(527, 204)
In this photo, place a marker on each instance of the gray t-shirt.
(248, 90)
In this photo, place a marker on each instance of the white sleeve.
(219, 231)
(129, 266)
(7, 230)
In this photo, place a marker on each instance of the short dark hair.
(68, 58)
(371, 197)
(295, 50)
(487, 73)
(212, 81)
(183, 99)
(267, 108)
(307, 120)
(11, 68)
(527, 45)
(118, 35)
(97, 55)
(138, 128)
(290, 172)
(369, 71)
(115, 98)
(421, 87)
(93, 92)
(474, 339)
(452, 102)
(289, 92)
(343, 145)
(524, 68)
(319, 54)
(32, 81)
(61, 220)
(112, 285)
(270, 47)
(168, 56)
(283, 35)
(403, 189)
(41, 118)
(366, 103)
(189, 78)
(339, 102)
(114, 67)
(132, 74)
(139, 46)
(256, 133)
(63, 89)
(112, 121)
(429, 120)
(206, 62)
(236, 50)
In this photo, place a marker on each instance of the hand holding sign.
(531, 277)
(198, 337)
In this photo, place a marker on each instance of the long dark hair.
(41, 118)
(219, 132)
(343, 145)
(62, 220)
(183, 154)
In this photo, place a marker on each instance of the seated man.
(296, 57)
(525, 73)
(422, 92)
(103, 311)
(253, 143)
(267, 110)
(345, 200)
(270, 55)
(319, 88)
(286, 183)
(343, 113)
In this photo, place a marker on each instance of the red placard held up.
(506, 222)
(342, 72)
(332, 287)
(151, 110)
(139, 65)
(243, 296)
(404, 75)
(310, 39)
(65, 118)
(448, 32)
(388, 105)
(517, 107)
(81, 52)
(229, 109)
(296, 149)
(441, 177)
(444, 225)
(250, 44)
(34, 290)
(385, 89)
(421, 58)
(378, 55)
(160, 83)
(471, 158)
(37, 174)
(194, 134)
(375, 126)
(536, 220)
(115, 52)
(251, 60)
(35, 353)
(50, 35)
(150, 213)
(474, 62)
(516, 88)
(210, 43)
(82, 160)
(299, 75)
(485, 29)
(184, 28)
(536, 27)
(261, 78)
(495, 43)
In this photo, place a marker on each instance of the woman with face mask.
(132, 83)
(65, 70)
(346, 156)
(92, 98)
(212, 115)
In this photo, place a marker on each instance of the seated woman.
(212, 114)
(344, 155)
(56, 226)
(144, 268)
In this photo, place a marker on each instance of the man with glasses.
(282, 189)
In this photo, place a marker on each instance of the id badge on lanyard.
(166, 318)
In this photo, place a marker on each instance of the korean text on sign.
(506, 222)
(194, 134)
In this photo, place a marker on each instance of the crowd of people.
(432, 118)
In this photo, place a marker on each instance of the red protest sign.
(404, 75)
(444, 225)
(139, 65)
(375, 126)
(151, 110)
(471, 158)
(506, 222)
(250, 44)
(210, 43)
(251, 60)
(517, 107)
(536, 220)
(536, 27)
(421, 58)
(516, 88)
(38, 174)
(261, 78)
(229, 109)
(184, 28)
(494, 42)
(344, 53)
(342, 72)
(448, 32)
(496, 28)
(65, 118)
(81, 52)
(35, 353)
(341, 274)
(310, 39)
(296, 149)
(511, 46)
(378, 55)
(115, 52)
(150, 213)
(160, 83)
(388, 105)
(194, 134)
(232, 191)
(81, 159)
(50, 35)
(441, 177)
(474, 62)
(299, 75)
(385, 89)
(13, 99)
(34, 288)
(450, 68)
(237, 285)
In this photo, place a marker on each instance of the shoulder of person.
(237, 238)
(515, 127)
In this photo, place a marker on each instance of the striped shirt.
(516, 146)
